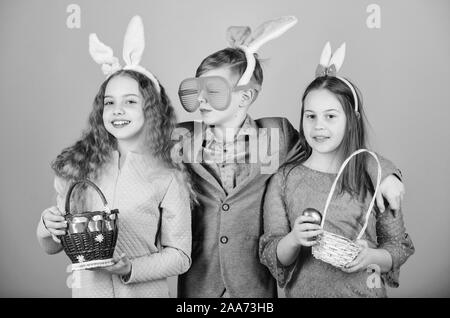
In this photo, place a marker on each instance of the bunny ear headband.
(133, 47)
(329, 65)
(248, 41)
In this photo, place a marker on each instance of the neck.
(124, 147)
(324, 162)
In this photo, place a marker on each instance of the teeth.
(120, 122)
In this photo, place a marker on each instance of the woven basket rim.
(339, 236)
(90, 213)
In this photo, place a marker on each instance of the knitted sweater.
(154, 227)
(287, 198)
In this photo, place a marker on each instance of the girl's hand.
(304, 231)
(363, 260)
(393, 190)
(53, 220)
(121, 266)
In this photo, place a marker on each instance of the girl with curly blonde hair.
(125, 151)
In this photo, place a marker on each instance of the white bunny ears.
(243, 38)
(330, 64)
(133, 47)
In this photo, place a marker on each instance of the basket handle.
(330, 195)
(92, 184)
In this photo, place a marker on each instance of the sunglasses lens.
(218, 93)
(214, 89)
(188, 93)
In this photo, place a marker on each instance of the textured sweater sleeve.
(47, 243)
(174, 257)
(392, 237)
(276, 226)
(61, 188)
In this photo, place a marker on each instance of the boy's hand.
(304, 229)
(121, 266)
(393, 190)
(53, 220)
(363, 260)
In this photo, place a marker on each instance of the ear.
(338, 57)
(270, 30)
(237, 35)
(267, 31)
(103, 55)
(134, 42)
(247, 97)
(326, 55)
(99, 52)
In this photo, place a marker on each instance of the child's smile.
(320, 138)
(322, 143)
(120, 123)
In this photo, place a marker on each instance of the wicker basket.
(335, 249)
(90, 237)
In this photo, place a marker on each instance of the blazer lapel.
(193, 155)
(264, 163)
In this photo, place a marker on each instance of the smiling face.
(123, 114)
(324, 121)
(230, 116)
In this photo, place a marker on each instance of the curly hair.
(86, 157)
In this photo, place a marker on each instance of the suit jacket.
(226, 228)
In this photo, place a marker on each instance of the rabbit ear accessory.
(330, 64)
(133, 47)
(250, 42)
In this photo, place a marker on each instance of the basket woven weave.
(91, 237)
(335, 249)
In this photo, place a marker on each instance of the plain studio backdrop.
(397, 54)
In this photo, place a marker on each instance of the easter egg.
(314, 214)
(78, 224)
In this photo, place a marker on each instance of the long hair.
(87, 156)
(354, 179)
(235, 59)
